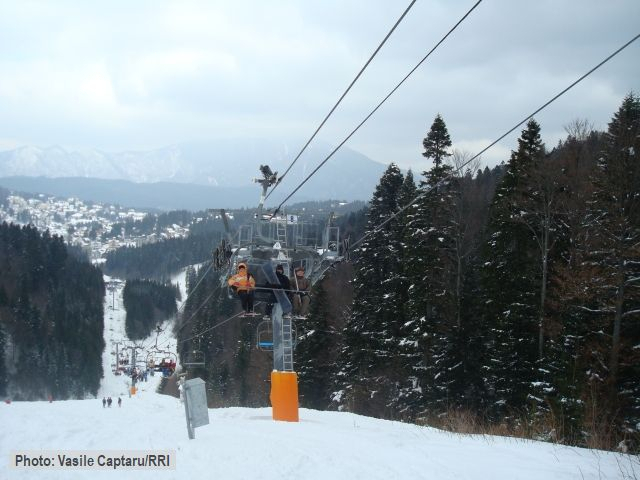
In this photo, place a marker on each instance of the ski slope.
(243, 443)
(114, 330)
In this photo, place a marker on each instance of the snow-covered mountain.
(219, 163)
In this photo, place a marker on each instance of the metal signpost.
(195, 404)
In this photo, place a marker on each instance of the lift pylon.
(284, 381)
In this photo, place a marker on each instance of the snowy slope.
(242, 443)
(114, 331)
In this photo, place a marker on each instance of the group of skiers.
(106, 402)
(138, 375)
(297, 289)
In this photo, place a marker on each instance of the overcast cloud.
(140, 75)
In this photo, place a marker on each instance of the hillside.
(51, 318)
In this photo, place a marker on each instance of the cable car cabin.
(195, 359)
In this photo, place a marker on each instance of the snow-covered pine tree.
(430, 267)
(313, 362)
(409, 395)
(612, 294)
(510, 282)
(406, 195)
(3, 344)
(369, 367)
(190, 278)
(544, 210)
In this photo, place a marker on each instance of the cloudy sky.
(124, 75)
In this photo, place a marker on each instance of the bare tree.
(579, 129)
(543, 212)
(467, 221)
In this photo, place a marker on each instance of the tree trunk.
(617, 322)
(543, 287)
(458, 287)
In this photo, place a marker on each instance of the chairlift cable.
(209, 297)
(192, 316)
(219, 324)
(194, 288)
(341, 98)
(197, 310)
(459, 169)
(377, 107)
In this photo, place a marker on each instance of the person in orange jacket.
(244, 285)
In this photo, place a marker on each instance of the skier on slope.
(104, 402)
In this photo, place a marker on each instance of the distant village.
(94, 227)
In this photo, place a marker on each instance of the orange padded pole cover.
(284, 396)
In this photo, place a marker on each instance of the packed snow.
(243, 443)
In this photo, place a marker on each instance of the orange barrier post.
(284, 396)
(133, 390)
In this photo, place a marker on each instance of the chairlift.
(260, 269)
(195, 359)
(161, 361)
(264, 336)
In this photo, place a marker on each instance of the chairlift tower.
(285, 239)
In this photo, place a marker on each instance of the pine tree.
(368, 361)
(52, 302)
(190, 278)
(611, 246)
(510, 281)
(430, 270)
(312, 353)
(407, 194)
(3, 367)
(437, 142)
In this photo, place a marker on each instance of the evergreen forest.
(51, 318)
(148, 303)
(502, 300)
(160, 260)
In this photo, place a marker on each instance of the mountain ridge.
(194, 175)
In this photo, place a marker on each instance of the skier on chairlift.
(301, 285)
(244, 285)
(283, 283)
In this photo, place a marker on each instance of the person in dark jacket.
(283, 283)
(104, 402)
